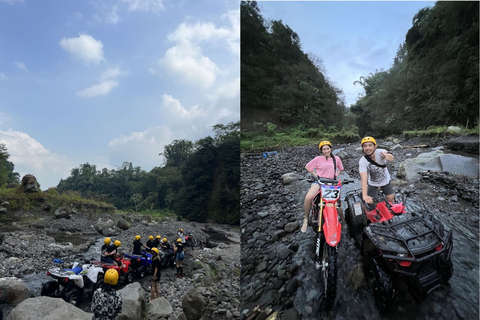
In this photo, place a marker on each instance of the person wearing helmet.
(179, 257)
(167, 251)
(111, 253)
(156, 264)
(150, 243)
(137, 245)
(324, 166)
(157, 240)
(373, 171)
(106, 301)
(106, 243)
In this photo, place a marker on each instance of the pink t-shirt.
(324, 168)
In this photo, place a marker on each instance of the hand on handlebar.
(368, 199)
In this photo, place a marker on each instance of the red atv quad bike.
(124, 271)
(398, 246)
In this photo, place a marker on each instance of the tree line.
(281, 81)
(7, 173)
(434, 77)
(199, 181)
(433, 80)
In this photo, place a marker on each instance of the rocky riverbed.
(278, 275)
(27, 251)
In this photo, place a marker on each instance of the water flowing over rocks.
(278, 273)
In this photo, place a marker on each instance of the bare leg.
(390, 197)
(312, 192)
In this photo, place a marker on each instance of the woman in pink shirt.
(321, 166)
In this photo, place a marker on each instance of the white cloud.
(85, 48)
(112, 73)
(113, 17)
(187, 63)
(154, 6)
(142, 148)
(186, 59)
(30, 157)
(3, 117)
(3, 76)
(101, 88)
(224, 103)
(175, 108)
(20, 65)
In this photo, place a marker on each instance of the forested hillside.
(200, 181)
(433, 80)
(279, 82)
(7, 175)
(434, 77)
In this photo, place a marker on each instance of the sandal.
(305, 225)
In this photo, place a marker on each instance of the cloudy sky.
(353, 38)
(109, 81)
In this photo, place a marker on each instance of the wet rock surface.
(278, 272)
(27, 251)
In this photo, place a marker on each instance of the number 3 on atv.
(325, 222)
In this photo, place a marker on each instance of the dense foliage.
(7, 175)
(434, 77)
(200, 181)
(279, 82)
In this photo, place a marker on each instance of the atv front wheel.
(381, 284)
(49, 288)
(72, 296)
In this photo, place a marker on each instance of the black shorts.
(387, 190)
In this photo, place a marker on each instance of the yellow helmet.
(150, 237)
(368, 139)
(323, 143)
(107, 241)
(158, 237)
(155, 250)
(111, 277)
(164, 240)
(117, 243)
(181, 230)
(179, 240)
(137, 237)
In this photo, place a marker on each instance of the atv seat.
(75, 270)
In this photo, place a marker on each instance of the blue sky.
(111, 81)
(352, 38)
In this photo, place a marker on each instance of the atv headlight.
(402, 255)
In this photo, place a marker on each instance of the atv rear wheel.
(72, 296)
(355, 218)
(381, 284)
(328, 275)
(49, 288)
(445, 267)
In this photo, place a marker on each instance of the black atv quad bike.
(397, 246)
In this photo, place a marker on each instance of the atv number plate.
(358, 208)
(330, 192)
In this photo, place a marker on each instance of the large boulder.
(437, 161)
(46, 308)
(159, 309)
(13, 291)
(101, 224)
(63, 213)
(193, 303)
(29, 183)
(123, 224)
(133, 301)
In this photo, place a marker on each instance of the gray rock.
(3, 210)
(158, 309)
(13, 290)
(288, 178)
(193, 303)
(29, 183)
(101, 224)
(133, 300)
(123, 224)
(454, 129)
(62, 212)
(46, 308)
(291, 226)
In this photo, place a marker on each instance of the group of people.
(106, 301)
(373, 171)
